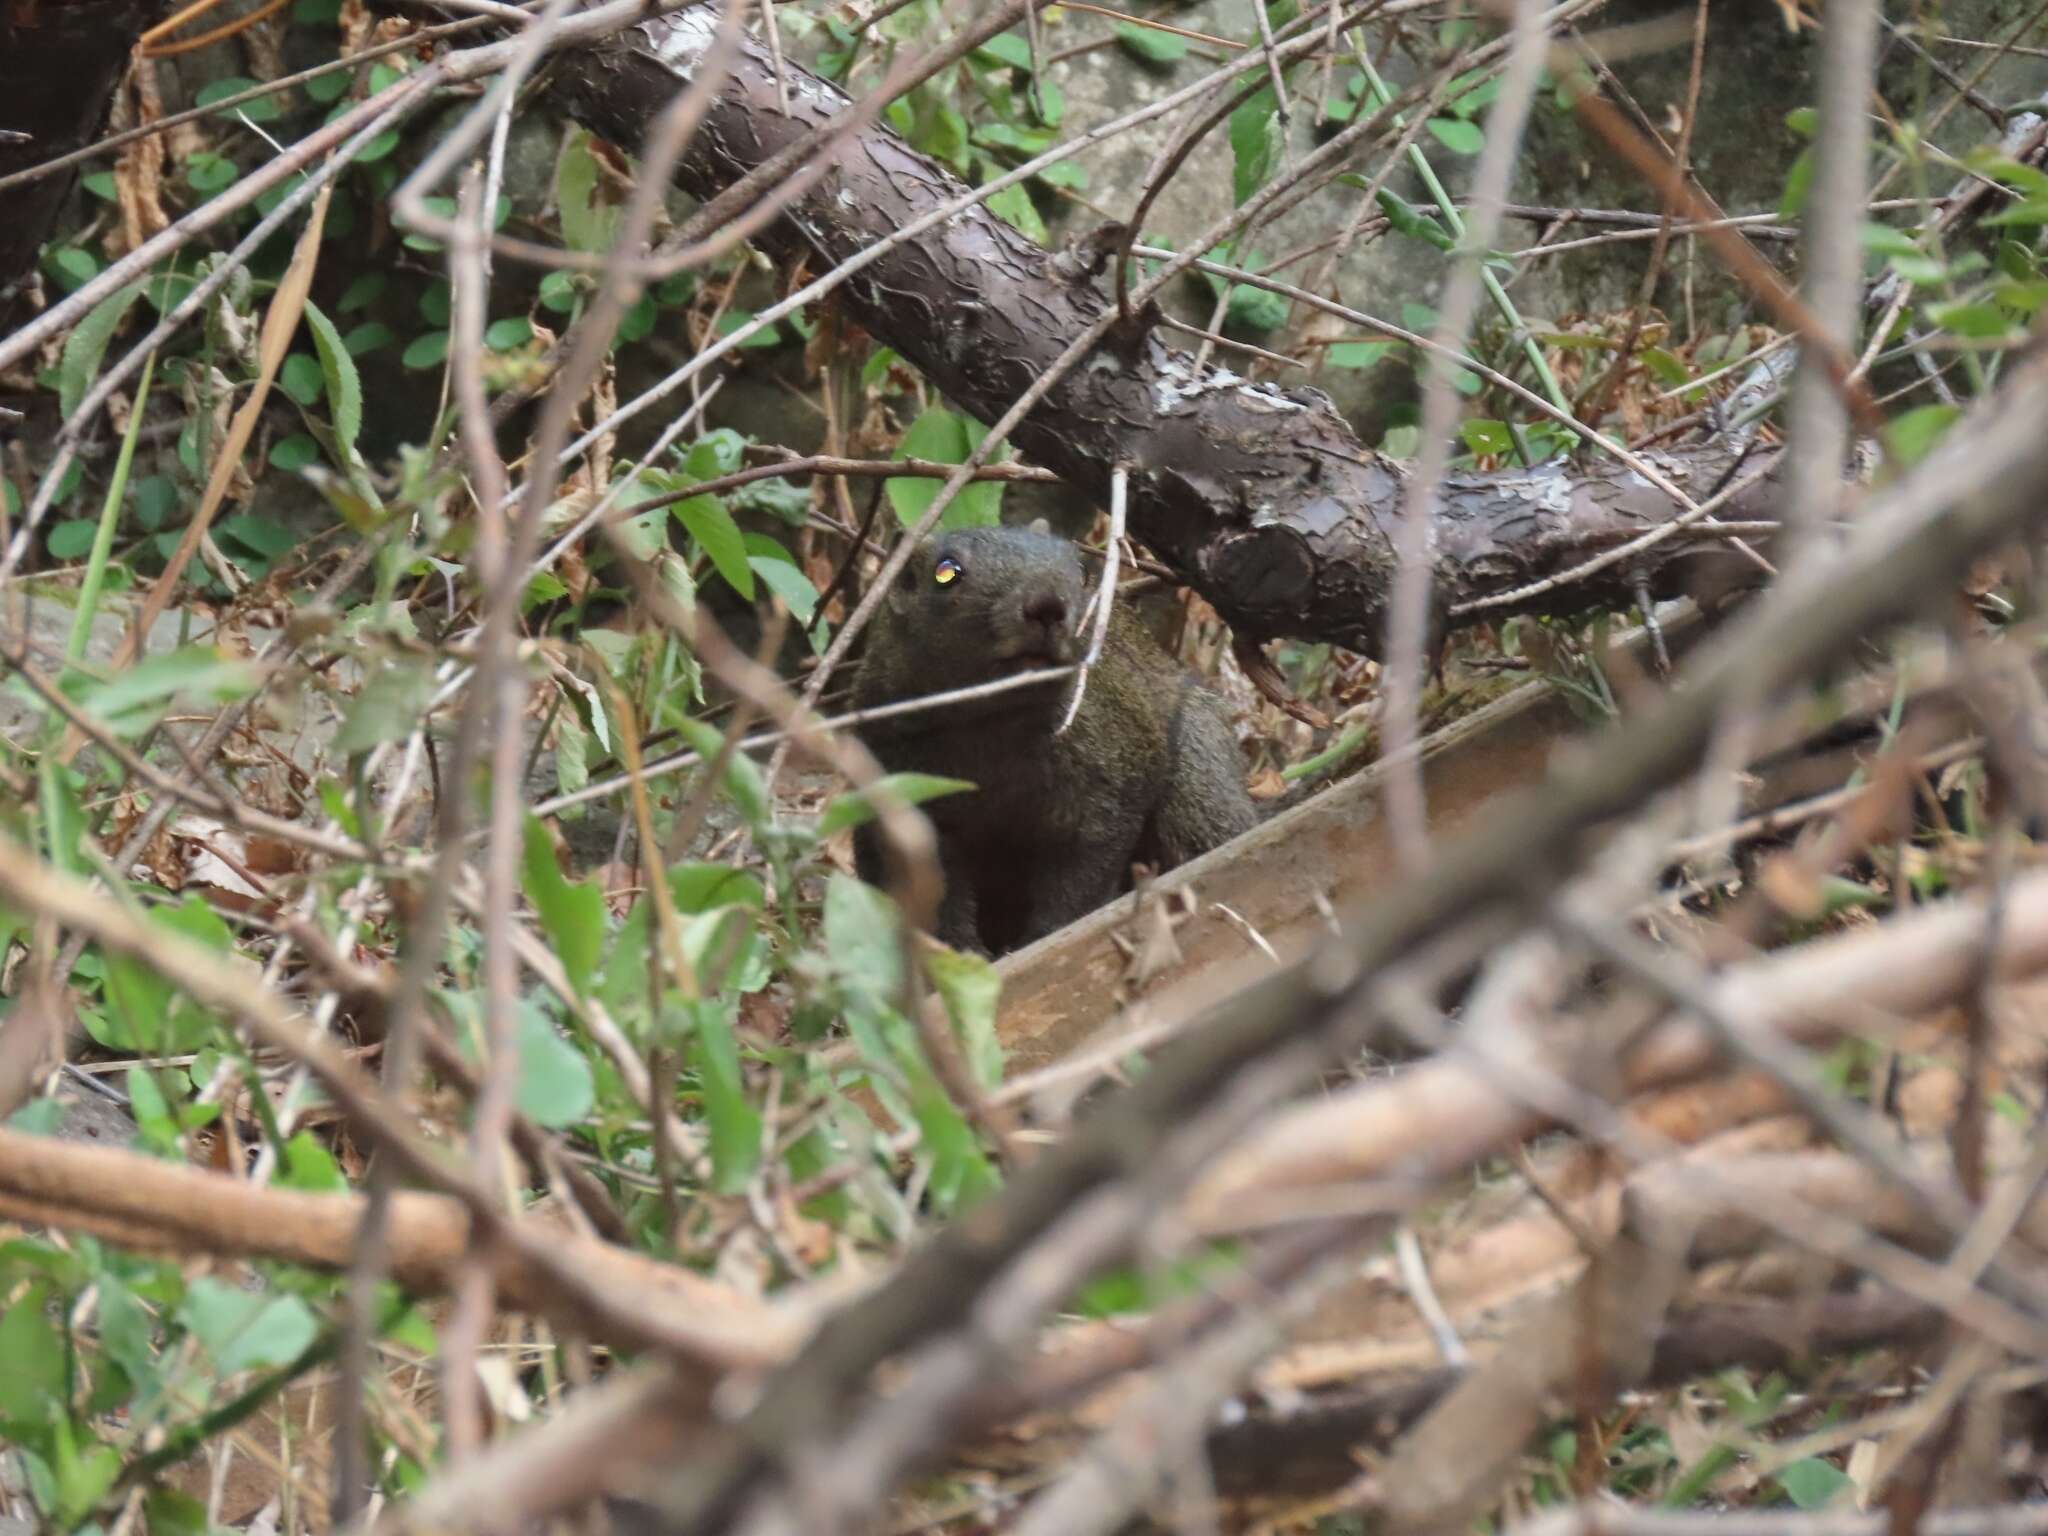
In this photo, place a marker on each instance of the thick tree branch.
(1262, 499)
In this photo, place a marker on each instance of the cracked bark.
(1262, 498)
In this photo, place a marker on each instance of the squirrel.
(1148, 771)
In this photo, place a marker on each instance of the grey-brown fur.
(1148, 772)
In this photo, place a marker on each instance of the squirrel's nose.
(1047, 608)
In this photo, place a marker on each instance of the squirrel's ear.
(1039, 525)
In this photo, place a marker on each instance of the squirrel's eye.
(946, 572)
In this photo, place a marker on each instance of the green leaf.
(266, 537)
(129, 702)
(1256, 143)
(1911, 435)
(1976, 320)
(1014, 207)
(153, 1115)
(87, 345)
(861, 937)
(70, 539)
(1358, 354)
(125, 1329)
(744, 782)
(167, 1512)
(504, 335)
(947, 438)
(1796, 182)
(1151, 46)
(144, 1012)
(294, 453)
(428, 351)
(263, 109)
(1406, 219)
(338, 372)
(1456, 135)
(31, 1360)
(300, 378)
(368, 337)
(769, 335)
(1813, 1483)
(1483, 437)
(1664, 366)
(555, 1085)
(571, 914)
(73, 266)
(735, 1123)
(309, 1166)
(390, 707)
(1254, 309)
(590, 222)
(558, 292)
(1025, 143)
(101, 184)
(363, 292)
(156, 497)
(2034, 211)
(719, 537)
(857, 808)
(246, 1330)
(718, 452)
(1008, 48)
(437, 302)
(970, 989)
(788, 583)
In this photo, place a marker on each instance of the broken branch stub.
(1262, 499)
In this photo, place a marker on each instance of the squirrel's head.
(982, 603)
